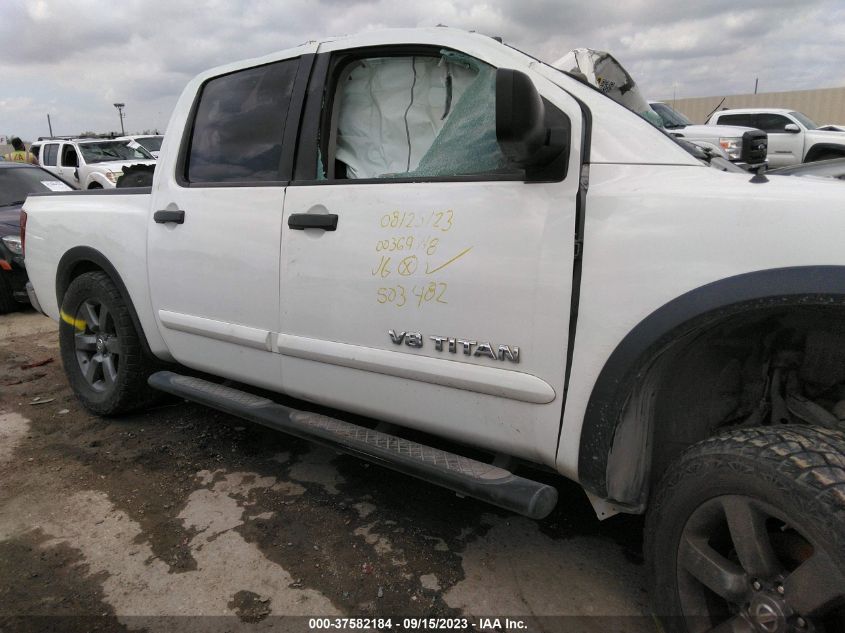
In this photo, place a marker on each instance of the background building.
(824, 105)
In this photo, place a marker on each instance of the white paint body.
(234, 292)
(790, 148)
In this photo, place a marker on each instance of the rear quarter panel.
(114, 225)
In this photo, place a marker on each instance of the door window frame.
(292, 117)
(45, 154)
(320, 99)
(60, 159)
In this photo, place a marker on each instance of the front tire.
(747, 534)
(101, 350)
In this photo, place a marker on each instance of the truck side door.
(215, 225)
(785, 148)
(69, 163)
(423, 280)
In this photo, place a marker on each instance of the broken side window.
(417, 116)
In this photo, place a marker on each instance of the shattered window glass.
(417, 116)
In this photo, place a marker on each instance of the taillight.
(23, 233)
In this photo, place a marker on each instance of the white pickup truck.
(437, 232)
(794, 138)
(739, 144)
(90, 163)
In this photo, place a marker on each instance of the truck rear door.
(423, 281)
(216, 221)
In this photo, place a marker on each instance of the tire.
(136, 176)
(94, 185)
(779, 565)
(7, 301)
(101, 350)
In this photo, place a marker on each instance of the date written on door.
(437, 220)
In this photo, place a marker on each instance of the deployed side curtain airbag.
(417, 116)
(467, 142)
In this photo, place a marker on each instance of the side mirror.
(521, 127)
(792, 128)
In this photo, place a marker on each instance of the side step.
(463, 475)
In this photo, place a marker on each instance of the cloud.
(75, 59)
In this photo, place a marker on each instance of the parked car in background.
(793, 137)
(150, 142)
(17, 181)
(833, 168)
(740, 144)
(90, 163)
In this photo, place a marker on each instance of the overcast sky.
(75, 58)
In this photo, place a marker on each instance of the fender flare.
(86, 254)
(697, 308)
(819, 148)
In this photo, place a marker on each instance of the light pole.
(120, 107)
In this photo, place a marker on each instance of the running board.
(463, 475)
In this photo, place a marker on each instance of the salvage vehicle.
(90, 163)
(150, 142)
(793, 137)
(17, 181)
(742, 145)
(435, 231)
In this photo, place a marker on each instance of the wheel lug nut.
(755, 584)
(801, 622)
(780, 589)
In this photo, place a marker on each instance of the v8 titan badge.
(469, 347)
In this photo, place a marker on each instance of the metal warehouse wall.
(825, 105)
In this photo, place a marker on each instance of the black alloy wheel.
(746, 534)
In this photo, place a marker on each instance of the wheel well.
(822, 149)
(75, 270)
(722, 376)
(95, 185)
(83, 259)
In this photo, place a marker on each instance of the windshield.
(671, 118)
(16, 183)
(112, 150)
(151, 143)
(806, 121)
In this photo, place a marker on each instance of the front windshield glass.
(102, 152)
(151, 143)
(806, 121)
(671, 118)
(16, 183)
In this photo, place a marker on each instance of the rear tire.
(747, 533)
(102, 353)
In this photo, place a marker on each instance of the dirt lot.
(133, 523)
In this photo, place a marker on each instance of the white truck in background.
(793, 137)
(739, 144)
(431, 229)
(90, 163)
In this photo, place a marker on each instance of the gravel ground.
(135, 522)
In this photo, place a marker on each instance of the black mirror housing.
(523, 130)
